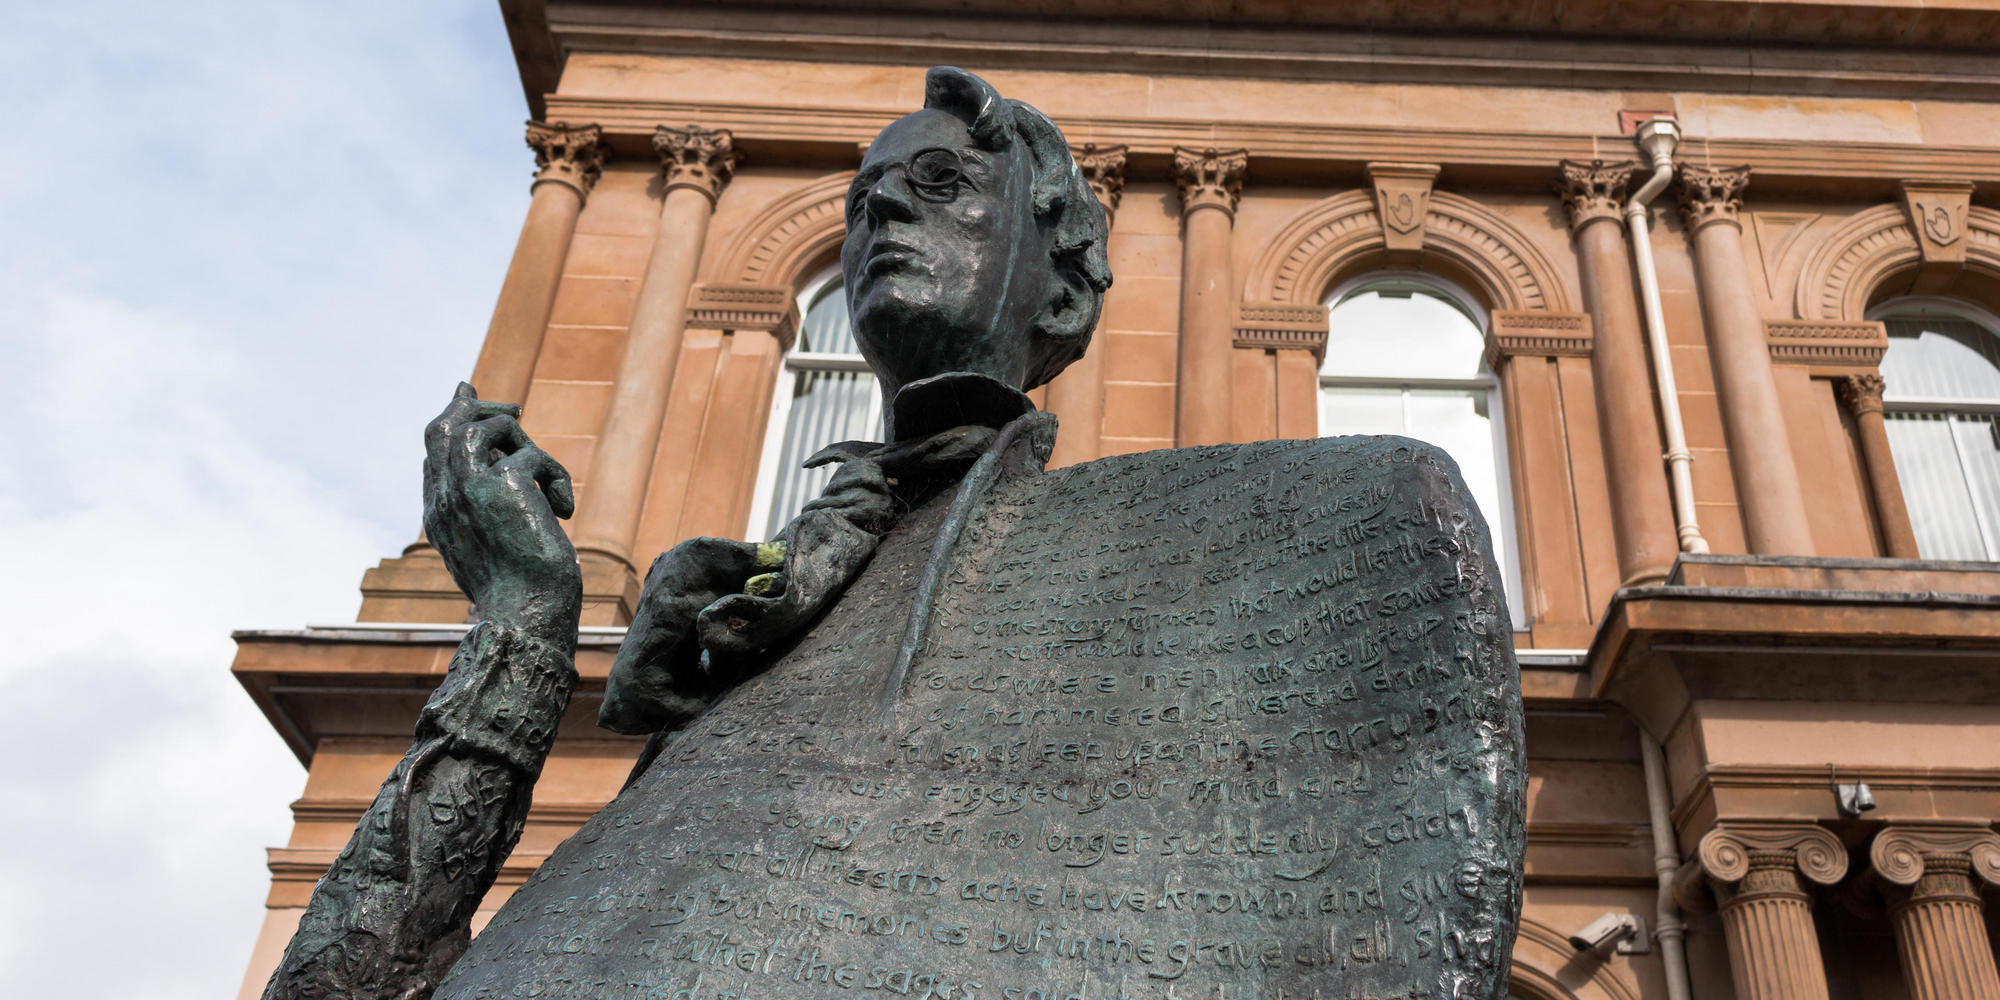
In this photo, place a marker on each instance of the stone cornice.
(1710, 194)
(1826, 343)
(805, 133)
(1594, 190)
(1374, 47)
(567, 154)
(1902, 849)
(697, 158)
(1210, 178)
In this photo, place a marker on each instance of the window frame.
(1504, 525)
(795, 361)
(1967, 312)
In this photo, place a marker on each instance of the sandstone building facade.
(1704, 297)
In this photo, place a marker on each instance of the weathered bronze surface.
(1229, 722)
(1238, 721)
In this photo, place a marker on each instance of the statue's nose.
(890, 200)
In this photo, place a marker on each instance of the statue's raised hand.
(491, 500)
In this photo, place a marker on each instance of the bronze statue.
(1237, 721)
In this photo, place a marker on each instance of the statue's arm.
(393, 913)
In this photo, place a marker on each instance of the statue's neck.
(953, 399)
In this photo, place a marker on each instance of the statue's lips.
(890, 255)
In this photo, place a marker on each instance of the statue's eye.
(935, 168)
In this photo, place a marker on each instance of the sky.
(245, 251)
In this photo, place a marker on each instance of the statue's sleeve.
(394, 912)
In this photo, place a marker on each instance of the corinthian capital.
(1732, 851)
(1860, 393)
(1208, 178)
(1104, 168)
(1594, 190)
(1903, 852)
(1711, 194)
(698, 158)
(567, 154)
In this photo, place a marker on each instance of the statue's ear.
(1070, 313)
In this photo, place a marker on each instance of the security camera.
(1854, 799)
(1620, 929)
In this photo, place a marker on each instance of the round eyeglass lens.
(934, 167)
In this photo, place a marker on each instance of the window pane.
(1941, 357)
(1979, 456)
(1360, 411)
(1935, 490)
(825, 329)
(827, 407)
(1407, 334)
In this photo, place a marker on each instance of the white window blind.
(1941, 403)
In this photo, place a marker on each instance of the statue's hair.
(1066, 209)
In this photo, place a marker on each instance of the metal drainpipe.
(1668, 929)
(1658, 137)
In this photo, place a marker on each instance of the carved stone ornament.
(1711, 194)
(1728, 852)
(698, 158)
(1209, 178)
(1902, 850)
(1860, 393)
(1104, 168)
(1826, 343)
(1537, 333)
(1594, 190)
(1402, 199)
(568, 154)
(773, 309)
(1281, 326)
(1938, 212)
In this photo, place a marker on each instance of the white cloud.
(250, 250)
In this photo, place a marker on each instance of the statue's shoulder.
(1376, 456)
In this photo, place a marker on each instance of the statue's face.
(944, 266)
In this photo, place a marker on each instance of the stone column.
(1076, 396)
(1760, 450)
(1642, 515)
(569, 159)
(1862, 395)
(1758, 872)
(698, 163)
(1210, 184)
(1932, 875)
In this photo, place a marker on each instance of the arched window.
(1405, 354)
(1941, 402)
(826, 394)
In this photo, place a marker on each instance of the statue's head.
(973, 242)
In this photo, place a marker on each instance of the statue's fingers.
(474, 443)
(548, 474)
(465, 407)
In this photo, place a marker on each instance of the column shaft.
(1773, 949)
(1862, 395)
(570, 160)
(1076, 396)
(1210, 183)
(699, 163)
(1642, 517)
(1760, 450)
(1941, 935)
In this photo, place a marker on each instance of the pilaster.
(1642, 518)
(1759, 873)
(1862, 396)
(697, 164)
(1210, 183)
(1932, 875)
(1076, 396)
